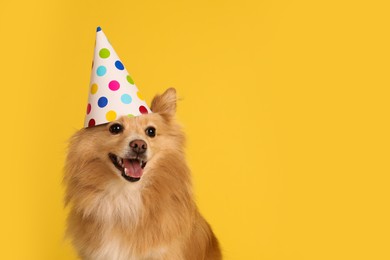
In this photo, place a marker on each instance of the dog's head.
(126, 149)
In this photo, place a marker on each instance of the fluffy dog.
(129, 191)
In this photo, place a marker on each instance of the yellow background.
(285, 105)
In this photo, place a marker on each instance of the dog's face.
(131, 145)
(125, 149)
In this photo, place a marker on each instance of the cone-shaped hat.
(112, 92)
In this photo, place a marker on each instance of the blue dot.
(101, 70)
(98, 29)
(119, 65)
(102, 102)
(126, 99)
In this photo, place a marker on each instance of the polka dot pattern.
(126, 99)
(111, 115)
(114, 85)
(112, 91)
(101, 71)
(89, 107)
(102, 102)
(119, 65)
(91, 122)
(143, 110)
(139, 96)
(104, 53)
(130, 80)
(94, 88)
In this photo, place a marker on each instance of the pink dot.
(114, 85)
(143, 110)
(89, 109)
(91, 122)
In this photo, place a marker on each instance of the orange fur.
(153, 218)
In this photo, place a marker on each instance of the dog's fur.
(153, 218)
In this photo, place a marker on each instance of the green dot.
(130, 80)
(130, 115)
(104, 53)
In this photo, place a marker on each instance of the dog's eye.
(150, 131)
(116, 129)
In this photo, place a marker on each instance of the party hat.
(112, 92)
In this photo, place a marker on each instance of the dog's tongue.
(132, 168)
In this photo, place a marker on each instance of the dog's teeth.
(119, 160)
(143, 163)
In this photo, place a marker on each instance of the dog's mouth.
(131, 168)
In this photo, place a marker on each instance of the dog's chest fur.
(114, 249)
(118, 201)
(120, 210)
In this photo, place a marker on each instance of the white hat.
(112, 91)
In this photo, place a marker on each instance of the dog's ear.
(165, 104)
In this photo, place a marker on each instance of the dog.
(129, 191)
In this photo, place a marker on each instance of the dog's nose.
(138, 146)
